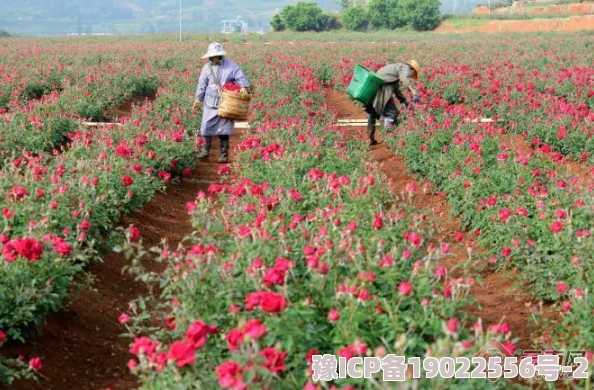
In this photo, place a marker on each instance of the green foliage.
(392, 14)
(4, 34)
(452, 95)
(425, 15)
(332, 21)
(91, 110)
(14, 369)
(304, 16)
(379, 13)
(59, 128)
(499, 4)
(4, 98)
(35, 90)
(142, 86)
(355, 18)
(277, 23)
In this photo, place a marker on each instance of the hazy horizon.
(63, 17)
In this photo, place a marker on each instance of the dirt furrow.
(498, 300)
(81, 347)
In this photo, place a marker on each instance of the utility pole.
(180, 21)
(489, 6)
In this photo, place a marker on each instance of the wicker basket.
(233, 106)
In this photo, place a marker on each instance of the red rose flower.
(230, 375)
(378, 223)
(333, 315)
(254, 329)
(556, 226)
(273, 303)
(233, 338)
(28, 248)
(134, 234)
(127, 181)
(275, 360)
(183, 353)
(61, 247)
(35, 364)
(144, 345)
(197, 332)
(405, 288)
(84, 225)
(18, 193)
(272, 276)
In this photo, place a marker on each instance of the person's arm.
(401, 98)
(202, 85)
(201, 88)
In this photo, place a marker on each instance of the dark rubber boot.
(224, 150)
(371, 134)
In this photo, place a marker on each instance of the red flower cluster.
(28, 248)
(254, 329)
(277, 274)
(268, 301)
(230, 373)
(183, 352)
(232, 87)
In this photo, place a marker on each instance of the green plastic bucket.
(364, 85)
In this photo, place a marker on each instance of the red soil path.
(497, 300)
(585, 8)
(81, 347)
(569, 24)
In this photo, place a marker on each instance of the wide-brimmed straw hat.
(415, 65)
(215, 49)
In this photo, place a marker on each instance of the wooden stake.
(97, 124)
(483, 120)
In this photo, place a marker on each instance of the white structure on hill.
(237, 25)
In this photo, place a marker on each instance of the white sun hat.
(215, 49)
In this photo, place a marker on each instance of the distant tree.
(379, 13)
(355, 18)
(388, 14)
(4, 34)
(332, 21)
(424, 15)
(277, 23)
(303, 16)
(344, 4)
(398, 14)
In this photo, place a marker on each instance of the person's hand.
(244, 92)
(417, 99)
(196, 104)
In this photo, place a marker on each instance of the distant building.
(231, 26)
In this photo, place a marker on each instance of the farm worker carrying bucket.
(217, 73)
(395, 76)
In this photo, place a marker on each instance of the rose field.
(127, 263)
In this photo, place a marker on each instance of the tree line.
(357, 15)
